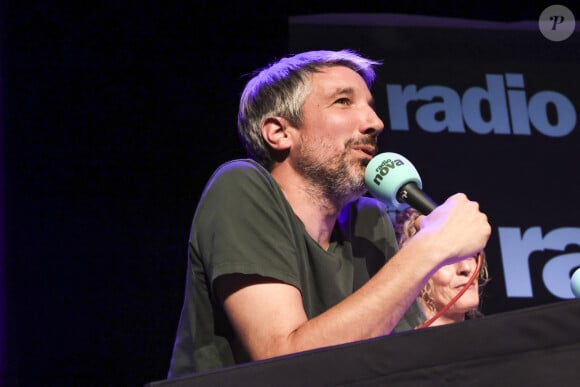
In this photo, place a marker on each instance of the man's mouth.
(368, 149)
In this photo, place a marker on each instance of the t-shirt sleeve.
(242, 225)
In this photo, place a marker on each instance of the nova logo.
(502, 107)
(383, 169)
(516, 248)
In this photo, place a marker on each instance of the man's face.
(339, 133)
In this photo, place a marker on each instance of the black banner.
(485, 108)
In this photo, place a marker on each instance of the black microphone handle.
(411, 194)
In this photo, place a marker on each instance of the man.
(285, 254)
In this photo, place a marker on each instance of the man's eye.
(343, 101)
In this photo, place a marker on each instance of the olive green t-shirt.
(243, 224)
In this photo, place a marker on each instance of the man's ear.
(274, 132)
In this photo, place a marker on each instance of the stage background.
(522, 181)
(113, 117)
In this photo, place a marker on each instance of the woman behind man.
(447, 281)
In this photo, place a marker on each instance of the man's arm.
(269, 316)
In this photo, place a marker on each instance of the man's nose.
(373, 124)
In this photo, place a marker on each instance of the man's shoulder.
(236, 178)
(240, 166)
(239, 170)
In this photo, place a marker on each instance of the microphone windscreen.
(386, 173)
(575, 283)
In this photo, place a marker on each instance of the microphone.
(575, 283)
(393, 179)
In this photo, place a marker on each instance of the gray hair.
(280, 90)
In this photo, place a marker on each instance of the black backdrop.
(114, 115)
(524, 182)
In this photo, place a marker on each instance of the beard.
(339, 175)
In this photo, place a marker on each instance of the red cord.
(457, 296)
